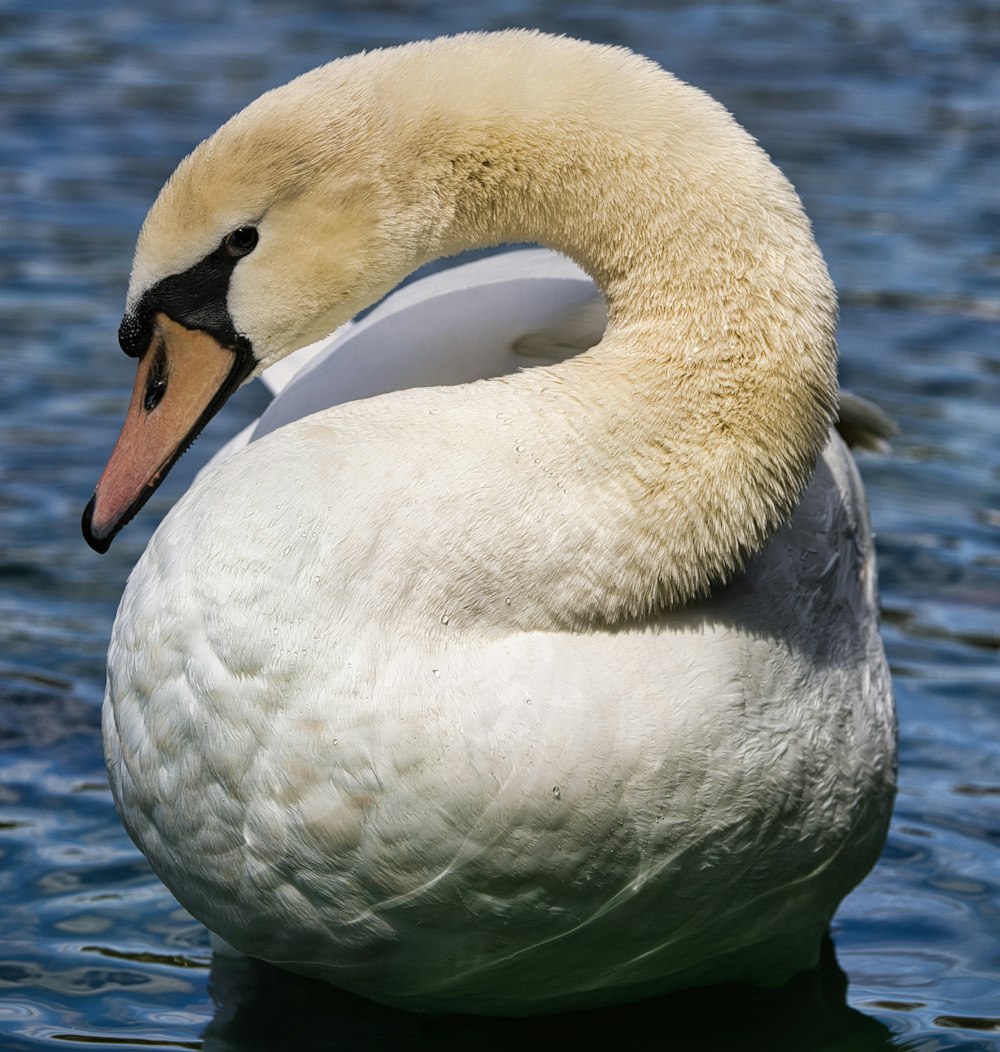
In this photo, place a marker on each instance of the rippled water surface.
(885, 115)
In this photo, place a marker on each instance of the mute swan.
(552, 690)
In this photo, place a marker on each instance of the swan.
(466, 685)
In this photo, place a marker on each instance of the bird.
(501, 672)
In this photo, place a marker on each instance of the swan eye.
(156, 382)
(241, 242)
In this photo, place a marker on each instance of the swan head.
(268, 236)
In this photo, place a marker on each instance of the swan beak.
(183, 378)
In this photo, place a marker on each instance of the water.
(885, 117)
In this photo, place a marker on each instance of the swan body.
(475, 687)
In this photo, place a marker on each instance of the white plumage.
(411, 693)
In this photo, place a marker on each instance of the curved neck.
(692, 428)
(705, 405)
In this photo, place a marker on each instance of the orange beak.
(184, 377)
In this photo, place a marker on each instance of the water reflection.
(262, 1008)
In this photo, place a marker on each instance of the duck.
(496, 670)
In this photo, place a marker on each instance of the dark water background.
(886, 115)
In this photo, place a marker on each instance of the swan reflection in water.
(261, 1007)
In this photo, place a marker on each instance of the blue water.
(885, 115)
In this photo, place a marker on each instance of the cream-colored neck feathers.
(712, 392)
